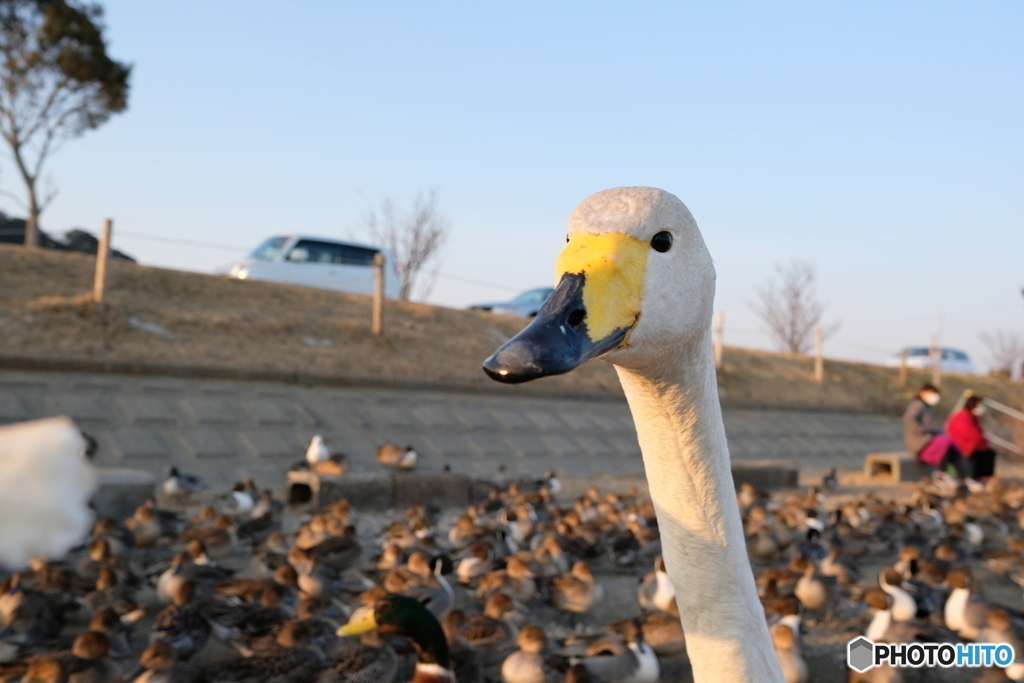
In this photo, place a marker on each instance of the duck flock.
(243, 589)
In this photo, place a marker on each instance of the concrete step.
(894, 467)
(120, 490)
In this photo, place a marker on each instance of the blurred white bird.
(178, 485)
(553, 484)
(317, 451)
(45, 486)
(239, 501)
(392, 455)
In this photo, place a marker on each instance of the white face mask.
(979, 410)
(931, 398)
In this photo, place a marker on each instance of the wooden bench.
(895, 467)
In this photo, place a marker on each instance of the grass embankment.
(45, 313)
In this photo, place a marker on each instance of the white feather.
(45, 486)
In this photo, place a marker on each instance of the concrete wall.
(225, 430)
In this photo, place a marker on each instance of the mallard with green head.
(399, 615)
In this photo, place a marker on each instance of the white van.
(316, 262)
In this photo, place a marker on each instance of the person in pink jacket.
(964, 429)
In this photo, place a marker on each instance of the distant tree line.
(12, 231)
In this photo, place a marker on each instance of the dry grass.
(46, 312)
(774, 379)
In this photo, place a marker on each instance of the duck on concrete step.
(398, 457)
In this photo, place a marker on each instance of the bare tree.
(1005, 348)
(414, 237)
(788, 305)
(56, 82)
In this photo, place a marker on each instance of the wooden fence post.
(819, 355)
(936, 355)
(902, 381)
(719, 339)
(102, 257)
(378, 294)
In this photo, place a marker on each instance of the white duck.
(317, 451)
(238, 502)
(45, 485)
(623, 660)
(179, 485)
(794, 668)
(656, 591)
(636, 286)
(887, 627)
(964, 611)
(904, 607)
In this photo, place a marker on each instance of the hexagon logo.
(860, 654)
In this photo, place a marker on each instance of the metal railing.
(1006, 410)
(1002, 408)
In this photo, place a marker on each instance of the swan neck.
(679, 425)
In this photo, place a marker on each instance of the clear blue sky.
(881, 141)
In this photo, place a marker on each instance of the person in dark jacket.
(964, 429)
(922, 435)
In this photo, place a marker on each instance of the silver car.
(315, 262)
(919, 358)
(525, 305)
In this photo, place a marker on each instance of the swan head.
(634, 282)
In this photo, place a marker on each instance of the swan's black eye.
(662, 241)
(566, 239)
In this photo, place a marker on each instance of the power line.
(479, 282)
(862, 347)
(928, 318)
(152, 238)
(175, 240)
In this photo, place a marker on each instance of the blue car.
(525, 305)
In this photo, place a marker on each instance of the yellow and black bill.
(362, 624)
(556, 341)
